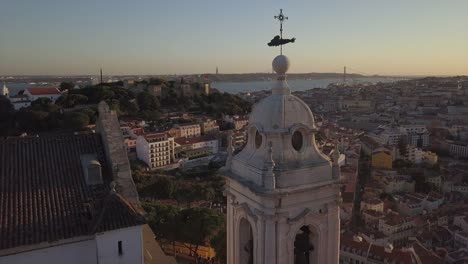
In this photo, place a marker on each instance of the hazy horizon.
(70, 38)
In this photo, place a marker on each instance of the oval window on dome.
(258, 139)
(297, 140)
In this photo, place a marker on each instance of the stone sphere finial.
(281, 64)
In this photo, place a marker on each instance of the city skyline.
(397, 38)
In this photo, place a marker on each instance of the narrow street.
(363, 178)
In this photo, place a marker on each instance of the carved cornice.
(301, 215)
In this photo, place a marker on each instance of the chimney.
(92, 169)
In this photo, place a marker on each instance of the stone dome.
(280, 112)
(281, 133)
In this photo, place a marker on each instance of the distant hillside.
(248, 77)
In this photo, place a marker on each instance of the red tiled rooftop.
(363, 248)
(43, 90)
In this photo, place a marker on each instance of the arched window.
(258, 139)
(246, 243)
(304, 246)
(297, 140)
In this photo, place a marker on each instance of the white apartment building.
(156, 149)
(411, 204)
(396, 227)
(416, 135)
(414, 154)
(458, 149)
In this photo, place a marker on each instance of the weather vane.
(278, 40)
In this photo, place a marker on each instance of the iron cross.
(281, 18)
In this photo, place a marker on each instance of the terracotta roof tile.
(43, 90)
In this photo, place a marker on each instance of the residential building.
(397, 228)
(155, 90)
(399, 183)
(371, 218)
(189, 130)
(357, 105)
(412, 204)
(458, 149)
(156, 149)
(208, 126)
(20, 101)
(416, 135)
(196, 147)
(239, 122)
(355, 249)
(435, 180)
(414, 154)
(374, 204)
(382, 158)
(430, 158)
(42, 92)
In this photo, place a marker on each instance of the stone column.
(230, 230)
(333, 222)
(270, 235)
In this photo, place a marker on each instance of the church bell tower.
(282, 192)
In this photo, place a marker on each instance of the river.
(236, 87)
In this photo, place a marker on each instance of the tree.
(91, 114)
(150, 115)
(42, 102)
(128, 106)
(7, 112)
(199, 225)
(33, 121)
(218, 242)
(157, 81)
(66, 86)
(164, 220)
(76, 120)
(147, 101)
(402, 146)
(70, 100)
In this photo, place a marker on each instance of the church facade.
(282, 192)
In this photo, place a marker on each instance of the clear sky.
(417, 37)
